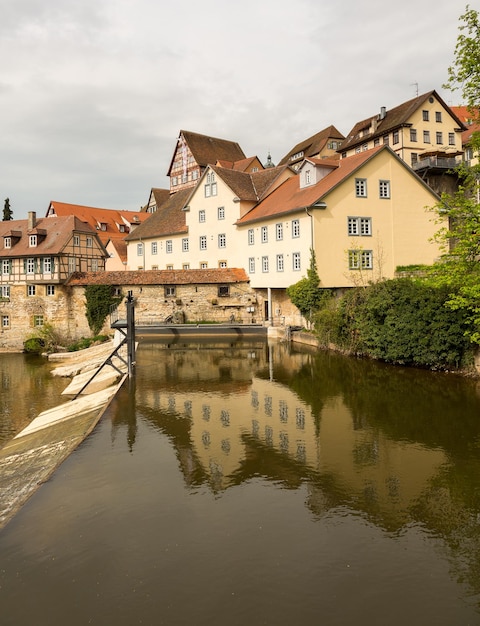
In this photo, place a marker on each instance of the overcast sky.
(93, 93)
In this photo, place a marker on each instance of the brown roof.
(160, 195)
(241, 166)
(208, 150)
(162, 277)
(168, 219)
(376, 126)
(470, 118)
(314, 144)
(58, 232)
(94, 216)
(290, 198)
(250, 186)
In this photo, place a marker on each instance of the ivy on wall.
(100, 299)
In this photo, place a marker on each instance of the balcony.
(436, 162)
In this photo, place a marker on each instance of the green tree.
(306, 294)
(459, 214)
(7, 211)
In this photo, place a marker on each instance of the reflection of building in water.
(238, 421)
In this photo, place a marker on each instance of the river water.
(249, 483)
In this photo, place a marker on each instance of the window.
(360, 259)
(251, 236)
(296, 261)
(50, 290)
(384, 188)
(451, 140)
(32, 241)
(414, 157)
(221, 213)
(264, 263)
(438, 116)
(264, 234)
(6, 266)
(76, 240)
(365, 147)
(139, 249)
(279, 231)
(251, 265)
(72, 264)
(386, 140)
(170, 291)
(47, 265)
(89, 242)
(413, 134)
(154, 247)
(186, 266)
(203, 265)
(222, 240)
(396, 136)
(30, 266)
(154, 267)
(426, 136)
(7, 242)
(169, 267)
(5, 292)
(425, 116)
(103, 227)
(376, 142)
(169, 246)
(201, 216)
(5, 321)
(210, 185)
(439, 138)
(361, 187)
(359, 226)
(31, 290)
(307, 177)
(94, 265)
(295, 228)
(203, 242)
(185, 244)
(223, 291)
(222, 264)
(280, 263)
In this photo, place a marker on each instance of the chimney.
(32, 220)
(383, 112)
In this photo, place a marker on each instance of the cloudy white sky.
(93, 93)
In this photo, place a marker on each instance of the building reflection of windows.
(284, 442)
(225, 418)
(206, 412)
(171, 403)
(269, 435)
(300, 418)
(255, 428)
(156, 400)
(188, 408)
(255, 399)
(206, 439)
(301, 452)
(225, 446)
(283, 411)
(268, 406)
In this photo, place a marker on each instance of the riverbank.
(32, 456)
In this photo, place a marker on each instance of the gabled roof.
(290, 198)
(213, 276)
(250, 187)
(470, 118)
(208, 150)
(389, 120)
(160, 196)
(314, 144)
(95, 217)
(120, 248)
(168, 219)
(58, 231)
(240, 166)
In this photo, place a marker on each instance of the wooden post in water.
(130, 334)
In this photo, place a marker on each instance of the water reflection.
(263, 484)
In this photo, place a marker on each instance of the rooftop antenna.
(416, 88)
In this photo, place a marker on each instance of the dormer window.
(307, 177)
(7, 242)
(121, 228)
(103, 226)
(32, 241)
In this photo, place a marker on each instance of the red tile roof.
(58, 232)
(168, 219)
(111, 218)
(314, 144)
(470, 118)
(162, 277)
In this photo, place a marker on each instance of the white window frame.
(5, 291)
(251, 236)
(384, 189)
(185, 244)
(154, 247)
(32, 241)
(169, 246)
(279, 231)
(7, 242)
(280, 263)
(251, 265)
(140, 249)
(47, 265)
(221, 213)
(6, 267)
(89, 242)
(50, 290)
(361, 187)
(264, 231)
(265, 264)
(31, 291)
(5, 321)
(30, 265)
(203, 242)
(296, 262)
(222, 240)
(360, 259)
(202, 216)
(76, 240)
(295, 229)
